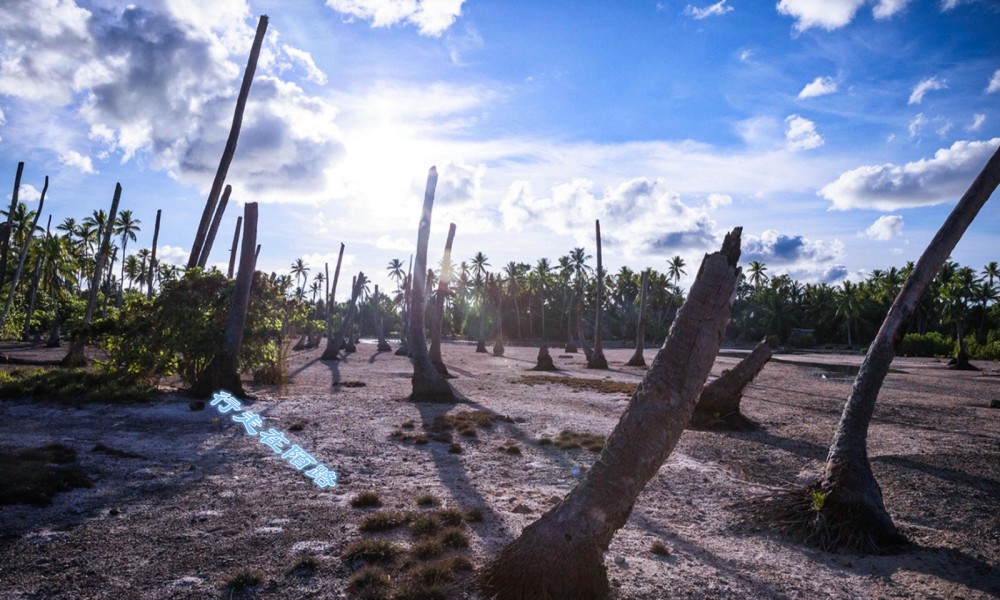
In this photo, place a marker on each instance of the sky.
(837, 133)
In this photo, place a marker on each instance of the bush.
(988, 350)
(928, 344)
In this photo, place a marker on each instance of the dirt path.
(205, 500)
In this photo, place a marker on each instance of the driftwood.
(561, 554)
(637, 359)
(718, 407)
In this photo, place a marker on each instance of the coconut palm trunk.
(213, 230)
(570, 344)
(32, 297)
(560, 555)
(719, 405)
(8, 229)
(236, 243)
(428, 385)
(332, 348)
(443, 281)
(637, 359)
(596, 359)
(152, 256)
(23, 255)
(481, 342)
(383, 346)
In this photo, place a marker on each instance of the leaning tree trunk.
(443, 281)
(335, 343)
(230, 150)
(213, 230)
(596, 359)
(428, 385)
(560, 554)
(637, 359)
(718, 407)
(851, 513)
(222, 373)
(236, 243)
(152, 257)
(331, 350)
(8, 230)
(75, 357)
(24, 254)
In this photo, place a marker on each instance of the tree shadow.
(946, 473)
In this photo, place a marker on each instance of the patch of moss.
(34, 475)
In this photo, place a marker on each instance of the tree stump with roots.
(544, 362)
(481, 347)
(498, 348)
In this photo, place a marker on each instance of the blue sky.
(838, 133)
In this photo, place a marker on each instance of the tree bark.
(331, 350)
(596, 359)
(404, 345)
(152, 256)
(75, 357)
(32, 296)
(498, 348)
(443, 281)
(637, 359)
(223, 372)
(230, 150)
(214, 228)
(383, 346)
(336, 342)
(481, 342)
(718, 407)
(853, 512)
(236, 243)
(544, 360)
(428, 385)
(560, 555)
(570, 344)
(24, 254)
(5, 240)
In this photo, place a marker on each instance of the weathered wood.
(236, 243)
(330, 352)
(337, 341)
(596, 358)
(214, 228)
(36, 276)
(230, 150)
(383, 346)
(560, 554)
(152, 256)
(443, 282)
(7, 231)
(637, 359)
(24, 254)
(718, 407)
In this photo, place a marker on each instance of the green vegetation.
(571, 440)
(370, 583)
(243, 580)
(603, 386)
(34, 475)
(74, 386)
(427, 500)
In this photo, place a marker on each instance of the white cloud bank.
(885, 228)
(994, 85)
(943, 178)
(800, 133)
(432, 17)
(718, 9)
(926, 85)
(834, 14)
(802, 258)
(821, 86)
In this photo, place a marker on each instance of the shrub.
(366, 500)
(928, 344)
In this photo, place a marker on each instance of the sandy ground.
(204, 499)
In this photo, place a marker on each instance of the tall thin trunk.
(230, 150)
(498, 348)
(570, 344)
(214, 228)
(427, 383)
(8, 230)
(331, 350)
(443, 281)
(596, 359)
(637, 359)
(236, 243)
(541, 306)
(32, 296)
(24, 254)
(152, 256)
(223, 372)
(481, 342)
(560, 554)
(335, 343)
(75, 357)
(326, 279)
(383, 346)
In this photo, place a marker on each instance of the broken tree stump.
(718, 406)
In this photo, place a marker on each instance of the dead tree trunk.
(236, 243)
(443, 282)
(404, 345)
(223, 372)
(75, 357)
(544, 360)
(152, 257)
(24, 254)
(596, 359)
(32, 296)
(383, 346)
(719, 405)
(428, 385)
(481, 342)
(230, 150)
(335, 343)
(214, 228)
(348, 335)
(637, 359)
(7, 231)
(498, 349)
(851, 513)
(332, 349)
(560, 554)
(570, 344)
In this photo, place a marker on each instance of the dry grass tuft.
(571, 440)
(372, 551)
(366, 500)
(383, 521)
(603, 386)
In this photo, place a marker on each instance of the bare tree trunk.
(330, 352)
(32, 296)
(570, 344)
(596, 359)
(326, 279)
(719, 405)
(587, 351)
(481, 342)
(336, 342)
(428, 385)
(443, 282)
(852, 513)
(214, 228)
(223, 372)
(498, 348)
(7, 231)
(383, 346)
(404, 345)
(230, 150)
(560, 554)
(236, 243)
(24, 254)
(637, 359)
(75, 357)
(544, 360)
(152, 257)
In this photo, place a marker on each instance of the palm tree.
(132, 269)
(125, 227)
(479, 264)
(315, 287)
(991, 271)
(515, 287)
(539, 279)
(675, 268)
(757, 276)
(319, 279)
(396, 271)
(848, 305)
(300, 271)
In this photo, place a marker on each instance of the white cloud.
(3, 117)
(977, 122)
(917, 124)
(820, 86)
(173, 255)
(27, 193)
(714, 10)
(926, 85)
(994, 85)
(800, 134)
(305, 60)
(887, 8)
(827, 14)
(717, 200)
(385, 242)
(943, 178)
(432, 17)
(885, 228)
(950, 4)
(78, 161)
(745, 54)
(802, 258)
